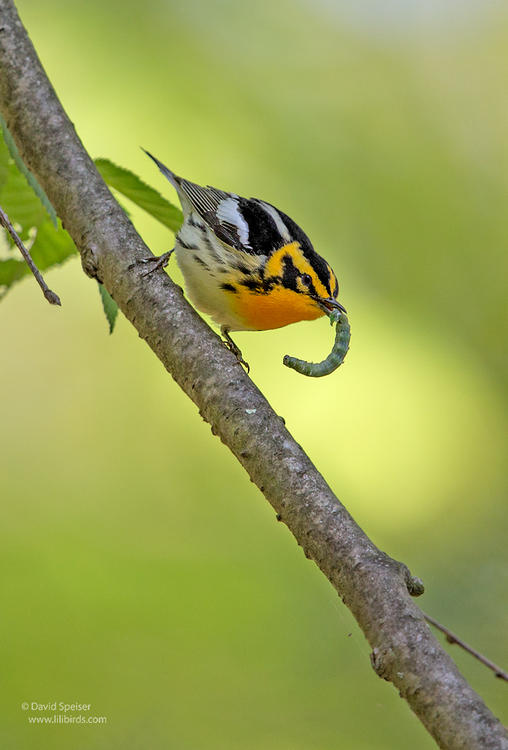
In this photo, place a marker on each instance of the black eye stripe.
(290, 273)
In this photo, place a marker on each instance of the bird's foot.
(233, 348)
(160, 262)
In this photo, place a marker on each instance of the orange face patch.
(279, 303)
(280, 307)
(275, 266)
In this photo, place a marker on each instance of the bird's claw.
(238, 355)
(234, 349)
(158, 262)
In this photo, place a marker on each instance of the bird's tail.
(171, 176)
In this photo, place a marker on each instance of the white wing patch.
(228, 213)
(281, 227)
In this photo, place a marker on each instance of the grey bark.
(372, 585)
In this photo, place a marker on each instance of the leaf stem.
(52, 298)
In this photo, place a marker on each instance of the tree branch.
(371, 584)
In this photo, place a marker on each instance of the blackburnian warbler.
(245, 263)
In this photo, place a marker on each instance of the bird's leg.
(228, 341)
(160, 262)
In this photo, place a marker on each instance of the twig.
(452, 638)
(52, 298)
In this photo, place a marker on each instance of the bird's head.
(306, 279)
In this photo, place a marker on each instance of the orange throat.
(278, 308)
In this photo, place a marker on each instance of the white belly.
(204, 262)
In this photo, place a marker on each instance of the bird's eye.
(306, 279)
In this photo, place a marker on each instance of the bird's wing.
(205, 201)
(247, 224)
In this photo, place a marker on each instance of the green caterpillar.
(336, 356)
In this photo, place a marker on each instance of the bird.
(245, 263)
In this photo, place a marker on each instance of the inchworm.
(336, 356)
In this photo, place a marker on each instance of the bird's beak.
(329, 303)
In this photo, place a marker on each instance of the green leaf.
(144, 196)
(27, 206)
(29, 177)
(4, 163)
(20, 203)
(11, 271)
(109, 305)
(51, 247)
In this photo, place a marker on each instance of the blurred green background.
(142, 572)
